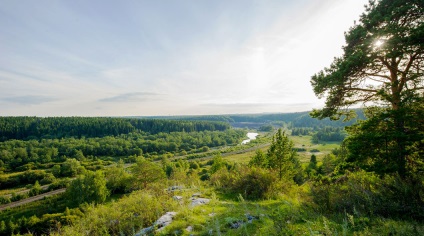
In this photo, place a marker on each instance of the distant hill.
(296, 119)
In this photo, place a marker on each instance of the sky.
(157, 57)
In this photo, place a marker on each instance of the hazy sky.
(166, 57)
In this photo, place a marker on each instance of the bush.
(17, 197)
(90, 188)
(30, 176)
(4, 200)
(48, 179)
(252, 183)
(35, 190)
(126, 216)
(366, 193)
(58, 184)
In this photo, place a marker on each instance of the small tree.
(218, 163)
(35, 190)
(118, 178)
(259, 159)
(70, 167)
(312, 166)
(56, 170)
(281, 155)
(90, 187)
(146, 172)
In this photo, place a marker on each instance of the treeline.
(302, 131)
(17, 153)
(296, 119)
(58, 127)
(326, 133)
(329, 134)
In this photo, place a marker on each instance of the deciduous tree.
(90, 187)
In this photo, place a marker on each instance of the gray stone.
(160, 224)
(199, 201)
(176, 187)
(177, 198)
(165, 220)
(145, 231)
(189, 228)
(236, 224)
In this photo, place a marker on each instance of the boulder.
(159, 224)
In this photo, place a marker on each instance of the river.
(251, 136)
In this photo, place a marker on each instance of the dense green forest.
(58, 127)
(16, 153)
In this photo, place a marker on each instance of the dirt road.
(31, 199)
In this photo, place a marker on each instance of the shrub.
(30, 176)
(48, 179)
(126, 216)
(17, 197)
(252, 183)
(89, 188)
(57, 184)
(366, 193)
(35, 190)
(4, 200)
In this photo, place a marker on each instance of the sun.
(378, 43)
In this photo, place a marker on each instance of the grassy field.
(299, 142)
(306, 142)
(243, 157)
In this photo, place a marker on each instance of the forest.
(59, 127)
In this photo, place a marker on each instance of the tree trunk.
(400, 133)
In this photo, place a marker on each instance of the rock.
(189, 228)
(145, 231)
(212, 214)
(236, 225)
(176, 187)
(165, 220)
(177, 198)
(160, 224)
(250, 218)
(199, 201)
(196, 195)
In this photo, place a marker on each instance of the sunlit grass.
(243, 157)
(11, 190)
(306, 142)
(299, 142)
